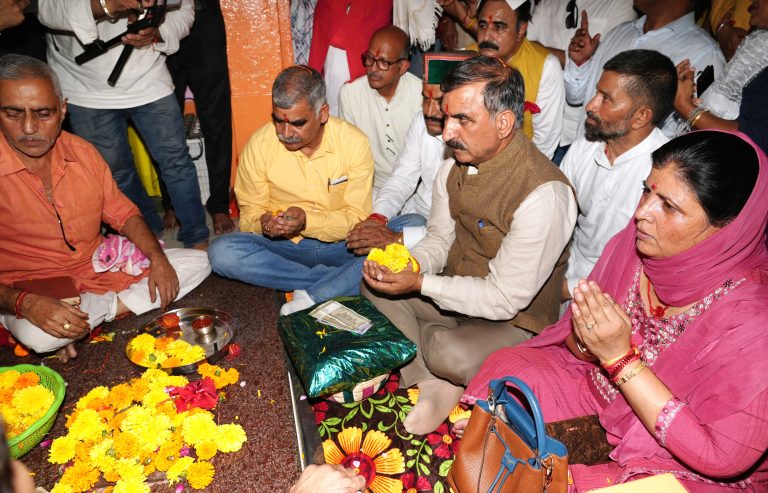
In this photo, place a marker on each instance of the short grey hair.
(17, 67)
(299, 83)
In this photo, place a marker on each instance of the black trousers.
(201, 64)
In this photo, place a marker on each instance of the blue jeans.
(323, 270)
(162, 128)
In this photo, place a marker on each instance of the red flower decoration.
(411, 483)
(169, 321)
(445, 441)
(531, 108)
(393, 383)
(201, 393)
(233, 351)
(321, 408)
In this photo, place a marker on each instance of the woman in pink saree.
(667, 342)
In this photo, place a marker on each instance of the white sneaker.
(301, 301)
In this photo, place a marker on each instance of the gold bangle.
(696, 118)
(103, 4)
(632, 374)
(471, 24)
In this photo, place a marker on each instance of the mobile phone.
(704, 80)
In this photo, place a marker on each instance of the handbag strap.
(530, 429)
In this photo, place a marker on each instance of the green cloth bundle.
(330, 360)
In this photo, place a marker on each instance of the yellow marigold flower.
(206, 450)
(154, 397)
(142, 342)
(125, 445)
(185, 352)
(6, 395)
(130, 469)
(94, 393)
(133, 485)
(394, 257)
(167, 456)
(121, 396)
(178, 469)
(151, 429)
(230, 437)
(62, 450)
(33, 401)
(101, 455)
(200, 474)
(83, 451)
(221, 377)
(198, 428)
(62, 488)
(87, 425)
(81, 476)
(8, 379)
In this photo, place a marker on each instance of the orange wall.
(258, 47)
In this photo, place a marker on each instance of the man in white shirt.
(384, 102)
(99, 112)
(608, 164)
(668, 26)
(492, 260)
(501, 32)
(553, 25)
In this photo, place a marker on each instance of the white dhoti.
(192, 268)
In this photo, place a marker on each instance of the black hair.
(523, 11)
(504, 88)
(650, 78)
(719, 167)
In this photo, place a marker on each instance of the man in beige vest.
(495, 251)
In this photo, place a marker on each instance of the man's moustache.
(288, 140)
(488, 45)
(433, 119)
(456, 144)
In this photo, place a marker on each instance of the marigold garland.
(23, 400)
(122, 434)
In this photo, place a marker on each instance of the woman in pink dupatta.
(693, 299)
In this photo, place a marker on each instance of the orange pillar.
(258, 47)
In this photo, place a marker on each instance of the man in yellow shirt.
(303, 182)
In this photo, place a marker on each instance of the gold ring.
(66, 325)
(588, 326)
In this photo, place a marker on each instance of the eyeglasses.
(572, 19)
(63, 234)
(382, 64)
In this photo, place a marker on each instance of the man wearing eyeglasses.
(56, 191)
(501, 32)
(383, 103)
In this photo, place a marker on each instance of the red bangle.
(19, 299)
(615, 366)
(379, 218)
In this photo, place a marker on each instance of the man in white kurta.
(607, 166)
(383, 103)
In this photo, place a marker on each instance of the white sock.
(301, 301)
(437, 398)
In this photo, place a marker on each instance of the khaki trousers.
(450, 346)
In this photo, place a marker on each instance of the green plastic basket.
(21, 444)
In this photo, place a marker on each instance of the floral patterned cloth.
(369, 436)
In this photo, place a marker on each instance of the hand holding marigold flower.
(394, 257)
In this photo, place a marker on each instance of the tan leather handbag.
(506, 450)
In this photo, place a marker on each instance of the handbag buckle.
(548, 470)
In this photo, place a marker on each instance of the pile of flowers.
(163, 352)
(22, 400)
(157, 422)
(394, 257)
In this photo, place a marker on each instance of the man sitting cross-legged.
(303, 181)
(608, 164)
(495, 251)
(56, 191)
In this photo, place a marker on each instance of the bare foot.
(222, 223)
(66, 353)
(169, 220)
(459, 427)
(437, 398)
(203, 245)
